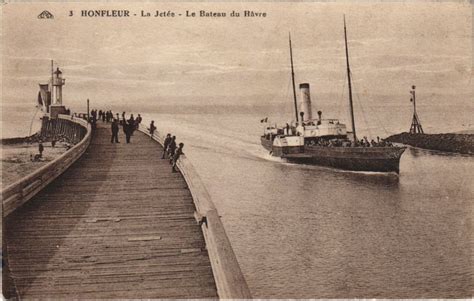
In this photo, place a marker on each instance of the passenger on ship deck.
(287, 129)
(365, 142)
(165, 145)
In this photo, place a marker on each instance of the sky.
(227, 61)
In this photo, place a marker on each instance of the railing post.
(88, 111)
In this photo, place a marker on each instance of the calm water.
(310, 232)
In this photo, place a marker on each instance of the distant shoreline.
(461, 142)
(17, 140)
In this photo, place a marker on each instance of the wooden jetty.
(119, 224)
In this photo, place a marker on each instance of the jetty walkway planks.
(117, 224)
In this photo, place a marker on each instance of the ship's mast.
(293, 79)
(349, 83)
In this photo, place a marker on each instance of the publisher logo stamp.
(45, 15)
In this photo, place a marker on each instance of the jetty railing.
(229, 279)
(77, 131)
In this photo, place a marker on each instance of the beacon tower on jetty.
(50, 96)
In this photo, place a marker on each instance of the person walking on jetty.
(138, 121)
(152, 128)
(124, 123)
(40, 149)
(94, 120)
(176, 156)
(172, 148)
(131, 124)
(94, 117)
(165, 145)
(115, 130)
(128, 129)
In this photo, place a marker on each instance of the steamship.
(327, 142)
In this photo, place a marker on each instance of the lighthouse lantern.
(58, 82)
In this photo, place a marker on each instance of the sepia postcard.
(237, 150)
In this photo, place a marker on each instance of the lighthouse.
(57, 83)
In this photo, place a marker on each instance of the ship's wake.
(264, 154)
(211, 138)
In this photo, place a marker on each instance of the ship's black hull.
(374, 159)
(373, 165)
